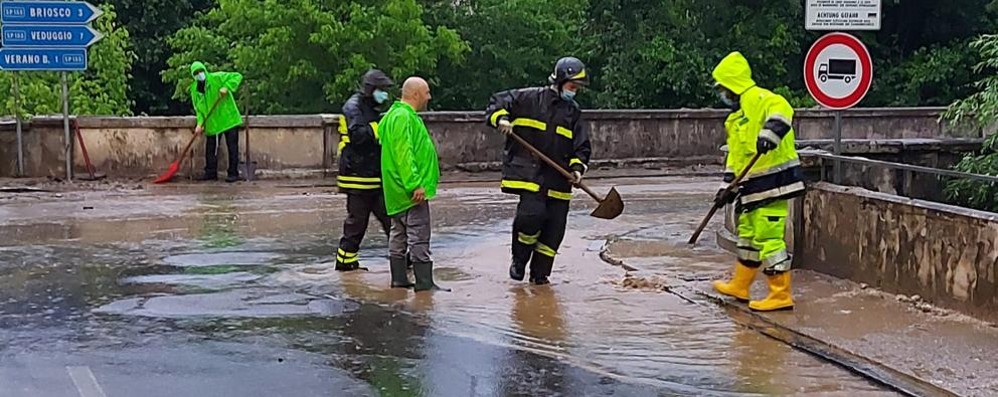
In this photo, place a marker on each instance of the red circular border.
(864, 58)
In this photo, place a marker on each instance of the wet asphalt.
(213, 290)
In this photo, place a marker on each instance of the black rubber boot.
(232, 178)
(400, 279)
(208, 177)
(540, 269)
(424, 277)
(517, 271)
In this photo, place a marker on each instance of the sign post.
(47, 36)
(17, 119)
(838, 72)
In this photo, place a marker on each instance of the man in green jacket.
(214, 90)
(409, 175)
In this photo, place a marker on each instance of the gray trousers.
(410, 234)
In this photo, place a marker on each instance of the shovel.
(609, 208)
(248, 168)
(175, 166)
(734, 184)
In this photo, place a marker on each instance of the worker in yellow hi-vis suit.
(760, 122)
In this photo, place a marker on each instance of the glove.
(578, 177)
(764, 145)
(505, 127)
(725, 196)
(199, 129)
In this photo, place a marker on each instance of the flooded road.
(229, 291)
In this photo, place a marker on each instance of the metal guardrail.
(898, 166)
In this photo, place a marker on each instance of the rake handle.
(554, 165)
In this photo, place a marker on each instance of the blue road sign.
(49, 35)
(64, 59)
(48, 12)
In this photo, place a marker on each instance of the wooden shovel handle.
(553, 164)
(713, 210)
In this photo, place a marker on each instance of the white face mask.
(200, 76)
(380, 96)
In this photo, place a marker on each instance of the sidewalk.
(910, 342)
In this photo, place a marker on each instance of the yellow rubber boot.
(740, 282)
(779, 295)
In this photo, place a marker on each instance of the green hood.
(196, 67)
(734, 73)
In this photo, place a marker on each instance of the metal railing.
(899, 166)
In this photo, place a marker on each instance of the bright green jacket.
(226, 115)
(758, 105)
(408, 158)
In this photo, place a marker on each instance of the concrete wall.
(143, 146)
(944, 253)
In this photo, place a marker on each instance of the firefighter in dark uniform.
(550, 120)
(360, 166)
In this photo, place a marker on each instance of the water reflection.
(219, 227)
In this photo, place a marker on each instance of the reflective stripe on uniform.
(748, 254)
(345, 178)
(343, 253)
(528, 239)
(565, 132)
(777, 262)
(772, 170)
(536, 124)
(496, 115)
(540, 125)
(528, 186)
(357, 186)
(344, 137)
(342, 259)
(545, 250)
(773, 193)
(559, 195)
(374, 127)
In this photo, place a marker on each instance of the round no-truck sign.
(838, 71)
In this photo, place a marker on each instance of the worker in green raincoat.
(217, 114)
(409, 175)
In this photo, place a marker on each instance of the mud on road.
(229, 291)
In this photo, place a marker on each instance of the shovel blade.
(248, 170)
(168, 175)
(611, 206)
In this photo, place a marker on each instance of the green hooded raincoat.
(226, 115)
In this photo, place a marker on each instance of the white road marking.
(85, 381)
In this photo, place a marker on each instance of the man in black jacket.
(360, 166)
(550, 120)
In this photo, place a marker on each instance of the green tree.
(148, 22)
(514, 43)
(101, 90)
(306, 56)
(979, 111)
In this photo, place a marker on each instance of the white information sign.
(843, 15)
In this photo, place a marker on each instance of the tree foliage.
(305, 56)
(149, 22)
(980, 112)
(101, 90)
(513, 43)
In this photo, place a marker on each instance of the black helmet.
(569, 69)
(374, 79)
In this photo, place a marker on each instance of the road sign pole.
(65, 124)
(838, 146)
(17, 119)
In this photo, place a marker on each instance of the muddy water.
(232, 277)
